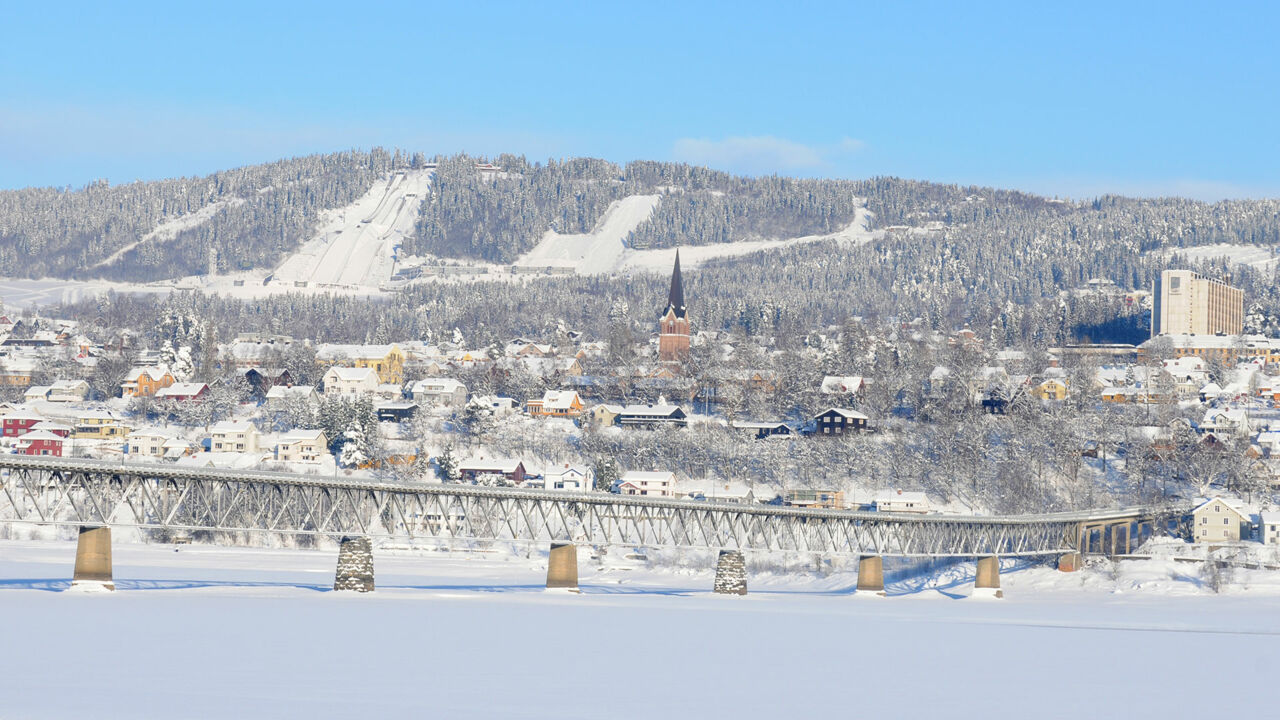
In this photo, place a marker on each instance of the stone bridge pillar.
(871, 575)
(1070, 562)
(93, 559)
(355, 565)
(987, 582)
(731, 573)
(562, 567)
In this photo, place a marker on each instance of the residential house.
(99, 425)
(306, 446)
(446, 392)
(41, 442)
(233, 436)
(652, 484)
(499, 406)
(827, 499)
(145, 381)
(1270, 527)
(763, 430)
(57, 428)
(1219, 520)
(151, 442)
(838, 421)
(396, 411)
(20, 422)
(262, 379)
(652, 415)
(280, 395)
(555, 403)
(68, 391)
(183, 392)
(1053, 388)
(473, 470)
(386, 360)
(17, 371)
(604, 415)
(902, 502)
(350, 381)
(576, 478)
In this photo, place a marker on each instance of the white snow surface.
(601, 251)
(1261, 257)
(355, 245)
(196, 631)
(661, 260)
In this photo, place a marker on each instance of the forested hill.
(253, 217)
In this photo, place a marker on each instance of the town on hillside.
(887, 417)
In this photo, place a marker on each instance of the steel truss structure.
(161, 497)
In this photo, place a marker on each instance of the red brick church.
(673, 332)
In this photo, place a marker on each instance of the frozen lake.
(247, 633)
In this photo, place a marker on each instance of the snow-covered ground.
(212, 632)
(355, 245)
(601, 251)
(1260, 257)
(856, 233)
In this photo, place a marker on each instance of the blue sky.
(1074, 100)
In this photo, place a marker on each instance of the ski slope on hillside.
(169, 228)
(356, 245)
(855, 233)
(599, 251)
(602, 250)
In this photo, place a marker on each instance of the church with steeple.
(673, 328)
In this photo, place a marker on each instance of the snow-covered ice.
(211, 632)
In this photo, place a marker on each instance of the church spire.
(675, 299)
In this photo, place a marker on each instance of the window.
(1226, 521)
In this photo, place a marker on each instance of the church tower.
(673, 329)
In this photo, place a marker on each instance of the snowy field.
(198, 632)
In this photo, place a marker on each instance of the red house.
(41, 442)
(19, 423)
(183, 392)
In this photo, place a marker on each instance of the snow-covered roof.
(232, 426)
(1235, 505)
(836, 384)
(437, 385)
(559, 399)
(646, 476)
(280, 392)
(297, 436)
(851, 414)
(40, 435)
(349, 374)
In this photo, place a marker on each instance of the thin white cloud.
(761, 155)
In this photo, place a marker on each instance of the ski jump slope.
(356, 245)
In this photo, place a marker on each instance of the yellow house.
(555, 403)
(386, 360)
(144, 382)
(1051, 389)
(97, 425)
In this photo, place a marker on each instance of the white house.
(578, 478)
(652, 484)
(149, 442)
(301, 446)
(903, 502)
(279, 395)
(233, 436)
(68, 391)
(842, 384)
(1270, 527)
(1219, 520)
(439, 391)
(351, 381)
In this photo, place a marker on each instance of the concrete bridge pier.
(562, 567)
(355, 565)
(1070, 562)
(870, 575)
(93, 559)
(731, 573)
(987, 582)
